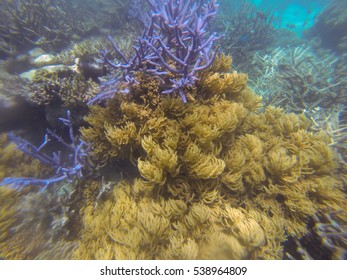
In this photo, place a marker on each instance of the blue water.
(293, 14)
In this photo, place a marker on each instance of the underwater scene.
(173, 129)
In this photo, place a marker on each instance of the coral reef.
(298, 80)
(246, 31)
(32, 227)
(14, 163)
(55, 89)
(52, 24)
(85, 55)
(301, 80)
(174, 47)
(47, 216)
(67, 168)
(127, 226)
(330, 27)
(39, 23)
(86, 51)
(66, 87)
(207, 170)
(217, 152)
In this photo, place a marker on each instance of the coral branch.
(70, 168)
(175, 39)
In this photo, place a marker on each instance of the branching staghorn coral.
(299, 80)
(48, 24)
(332, 124)
(52, 24)
(174, 47)
(69, 168)
(246, 30)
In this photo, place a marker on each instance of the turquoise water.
(295, 15)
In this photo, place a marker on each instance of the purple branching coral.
(174, 46)
(69, 168)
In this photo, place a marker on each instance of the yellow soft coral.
(149, 228)
(8, 199)
(217, 171)
(200, 165)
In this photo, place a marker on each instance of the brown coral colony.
(218, 154)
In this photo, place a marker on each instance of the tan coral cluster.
(218, 154)
(131, 227)
(64, 86)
